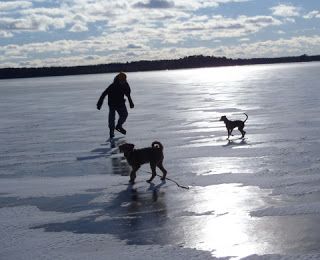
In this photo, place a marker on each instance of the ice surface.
(20, 242)
(64, 192)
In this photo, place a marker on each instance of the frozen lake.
(64, 191)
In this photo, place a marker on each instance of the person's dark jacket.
(116, 93)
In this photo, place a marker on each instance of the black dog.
(137, 157)
(230, 125)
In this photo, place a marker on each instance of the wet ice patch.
(52, 187)
(195, 214)
(302, 209)
(17, 224)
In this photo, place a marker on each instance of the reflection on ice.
(213, 218)
(230, 231)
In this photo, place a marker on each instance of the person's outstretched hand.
(98, 106)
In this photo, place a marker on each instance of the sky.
(36, 33)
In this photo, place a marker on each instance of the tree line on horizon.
(195, 61)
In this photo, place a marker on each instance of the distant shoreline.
(197, 61)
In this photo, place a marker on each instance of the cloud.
(59, 16)
(190, 5)
(221, 27)
(33, 16)
(134, 46)
(32, 22)
(244, 40)
(285, 10)
(154, 4)
(281, 32)
(312, 14)
(276, 48)
(5, 34)
(52, 12)
(12, 5)
(78, 28)
(289, 20)
(124, 30)
(78, 52)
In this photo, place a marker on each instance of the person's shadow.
(106, 150)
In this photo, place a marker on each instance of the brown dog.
(230, 125)
(137, 157)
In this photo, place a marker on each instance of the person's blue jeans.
(122, 112)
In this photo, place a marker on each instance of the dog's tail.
(246, 118)
(157, 144)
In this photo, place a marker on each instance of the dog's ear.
(131, 146)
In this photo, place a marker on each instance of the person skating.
(116, 92)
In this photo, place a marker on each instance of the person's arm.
(100, 101)
(128, 94)
(130, 101)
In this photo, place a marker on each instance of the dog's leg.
(228, 133)
(164, 171)
(154, 173)
(133, 174)
(231, 129)
(242, 131)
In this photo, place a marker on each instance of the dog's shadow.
(238, 142)
(155, 189)
(131, 215)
